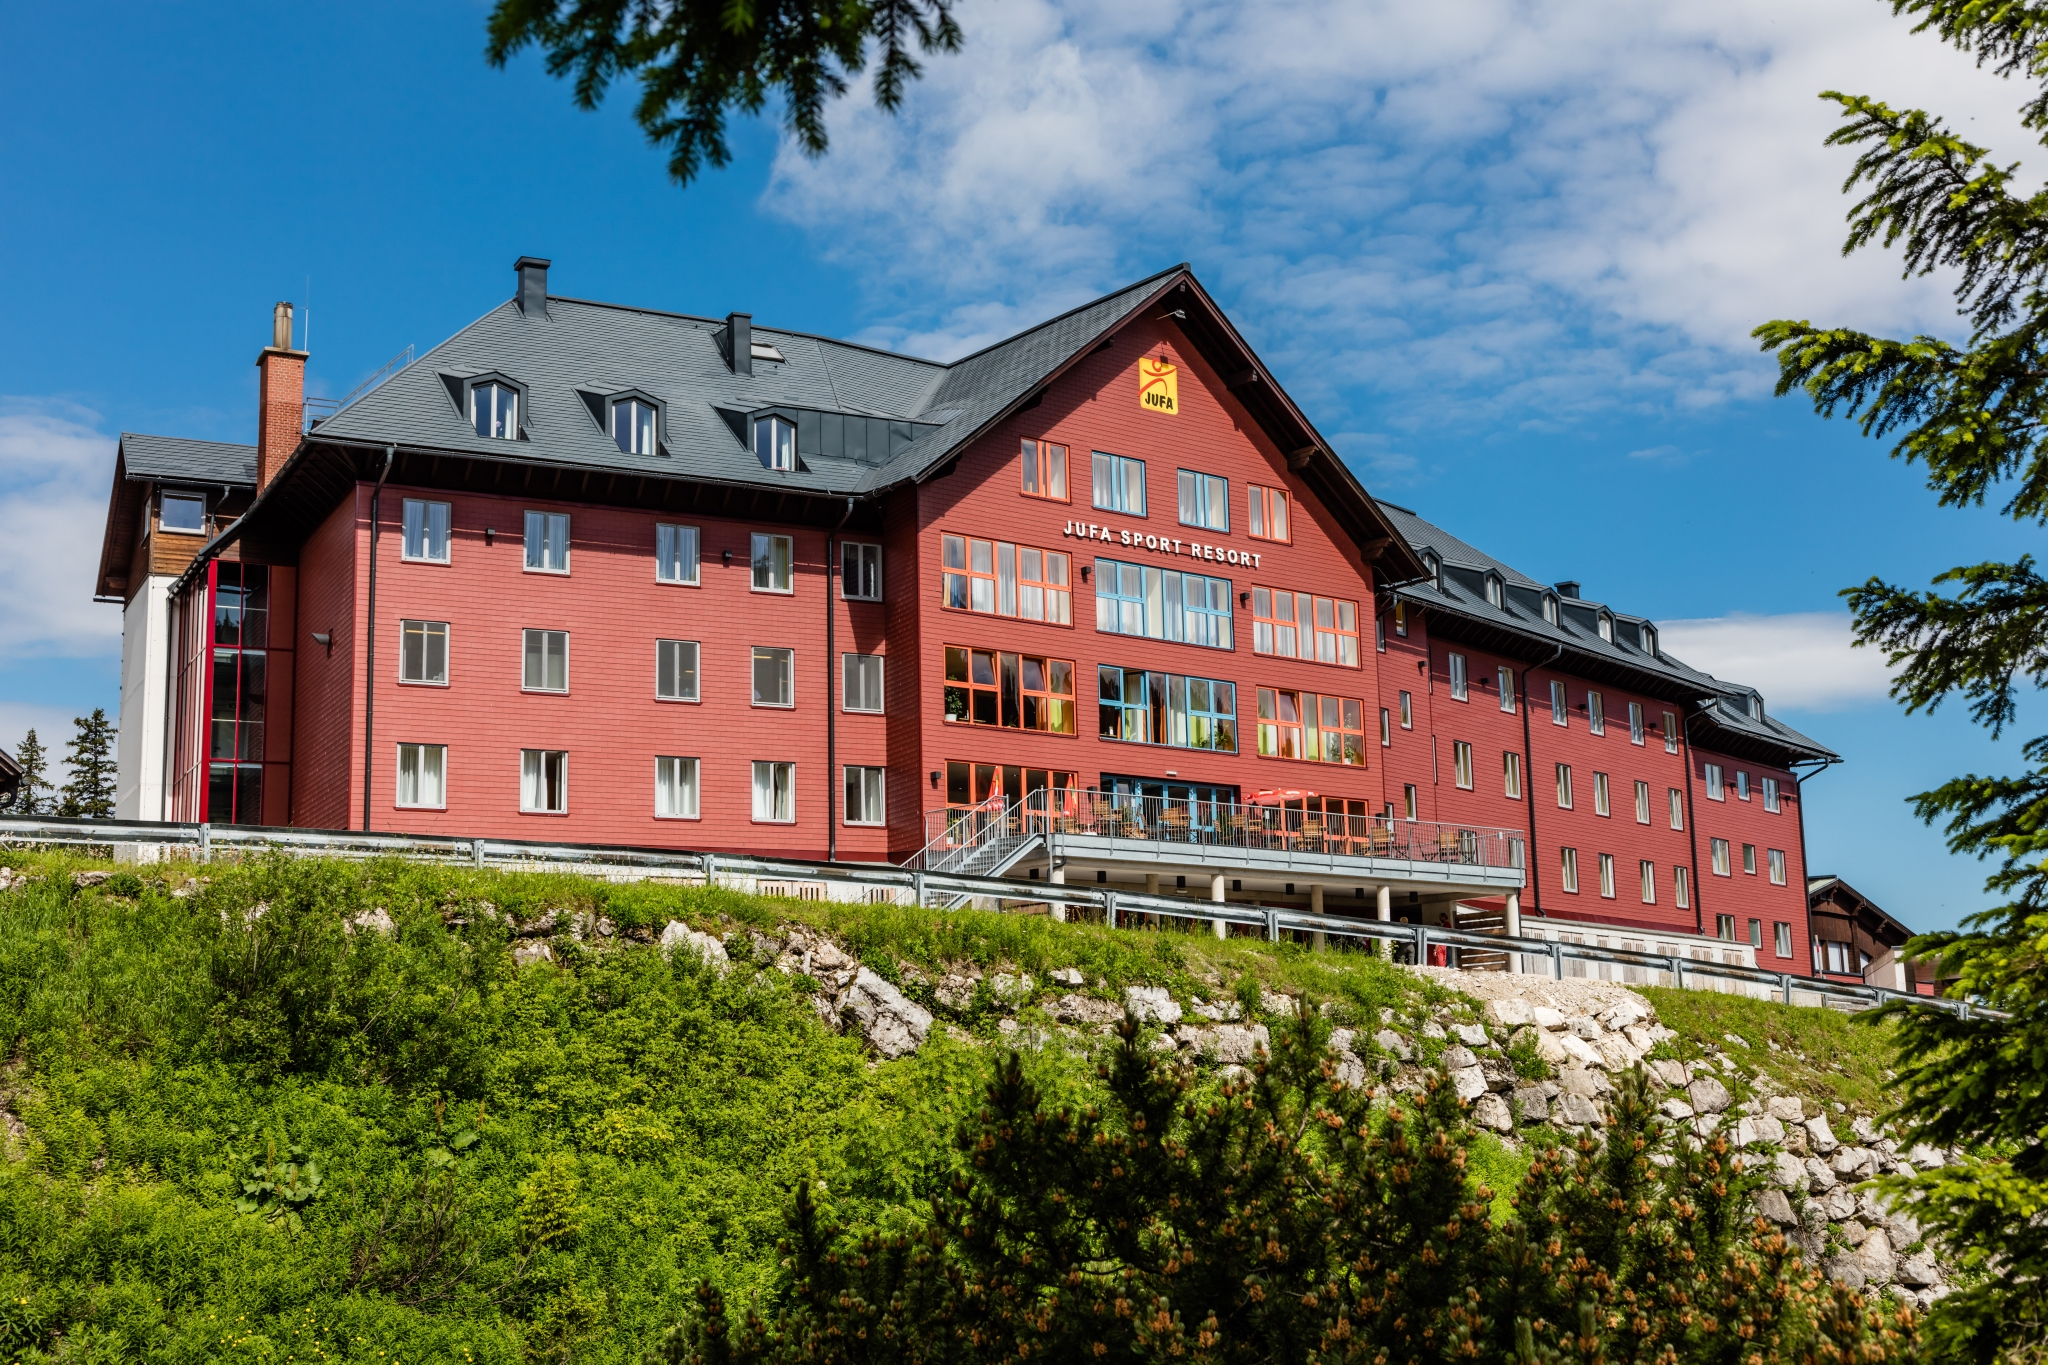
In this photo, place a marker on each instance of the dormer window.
(765, 350)
(1756, 707)
(1649, 637)
(634, 426)
(1550, 608)
(184, 513)
(1435, 569)
(775, 442)
(1607, 627)
(494, 410)
(1495, 594)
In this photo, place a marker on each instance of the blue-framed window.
(1120, 484)
(1140, 707)
(1204, 501)
(1162, 604)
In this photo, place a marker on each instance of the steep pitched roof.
(569, 358)
(178, 459)
(1720, 715)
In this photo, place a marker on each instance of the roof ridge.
(758, 327)
(1062, 317)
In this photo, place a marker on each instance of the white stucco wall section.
(145, 681)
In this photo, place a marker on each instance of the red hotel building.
(591, 573)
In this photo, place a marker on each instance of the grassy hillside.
(237, 1128)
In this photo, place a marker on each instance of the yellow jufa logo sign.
(1158, 386)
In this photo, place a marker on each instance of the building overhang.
(1270, 871)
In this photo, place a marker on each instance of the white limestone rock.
(1916, 1270)
(1469, 1082)
(1458, 1058)
(1785, 1108)
(529, 951)
(1677, 1110)
(1547, 1019)
(1509, 1014)
(1670, 1072)
(1067, 976)
(1586, 1029)
(1769, 1128)
(1580, 1051)
(1152, 1004)
(1818, 1177)
(676, 934)
(1788, 1171)
(1820, 1135)
(1351, 1070)
(1875, 1252)
(1708, 1095)
(1531, 1105)
(1773, 1205)
(1925, 1158)
(1491, 1111)
(892, 1025)
(1237, 1044)
(374, 921)
(1394, 1043)
(1471, 1035)
(1579, 1109)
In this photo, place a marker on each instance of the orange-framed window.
(1299, 625)
(1312, 726)
(1268, 519)
(1011, 691)
(1045, 470)
(971, 784)
(998, 578)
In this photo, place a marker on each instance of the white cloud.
(1800, 661)
(55, 470)
(1531, 208)
(52, 725)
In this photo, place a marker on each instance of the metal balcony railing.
(954, 832)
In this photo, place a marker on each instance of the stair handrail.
(956, 852)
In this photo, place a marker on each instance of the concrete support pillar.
(1151, 883)
(1216, 894)
(1514, 928)
(1318, 939)
(1386, 916)
(1058, 877)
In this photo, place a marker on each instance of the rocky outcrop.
(891, 1024)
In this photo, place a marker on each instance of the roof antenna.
(306, 341)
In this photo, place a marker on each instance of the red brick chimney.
(281, 404)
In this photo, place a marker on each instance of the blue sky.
(1506, 255)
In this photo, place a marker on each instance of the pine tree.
(29, 798)
(90, 792)
(1975, 412)
(1284, 1215)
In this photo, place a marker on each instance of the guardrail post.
(205, 842)
(1109, 907)
(1962, 1009)
(1421, 945)
(1272, 926)
(917, 885)
(710, 870)
(476, 849)
(1785, 980)
(1557, 958)
(1678, 971)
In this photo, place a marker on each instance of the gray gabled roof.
(1718, 705)
(176, 459)
(678, 361)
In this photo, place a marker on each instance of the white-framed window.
(494, 410)
(1677, 809)
(423, 652)
(1741, 785)
(864, 804)
(1719, 850)
(1568, 869)
(1756, 933)
(423, 775)
(1119, 484)
(544, 781)
(1601, 804)
(1635, 722)
(1511, 775)
(1681, 887)
(1564, 786)
(1506, 677)
(1607, 876)
(677, 551)
(547, 542)
(1724, 928)
(633, 426)
(1461, 763)
(1749, 859)
(1408, 802)
(1670, 733)
(1386, 728)
(426, 531)
(1379, 635)
(1606, 627)
(1496, 595)
(774, 792)
(774, 676)
(675, 788)
(773, 558)
(675, 670)
(1459, 682)
(1771, 795)
(775, 442)
(1783, 936)
(1550, 609)
(546, 657)
(184, 513)
(1407, 712)
(1204, 501)
(861, 682)
(860, 571)
(1649, 880)
(1642, 803)
(1558, 709)
(1715, 791)
(1596, 714)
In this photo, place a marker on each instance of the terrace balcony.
(1258, 850)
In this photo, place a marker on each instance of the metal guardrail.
(925, 888)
